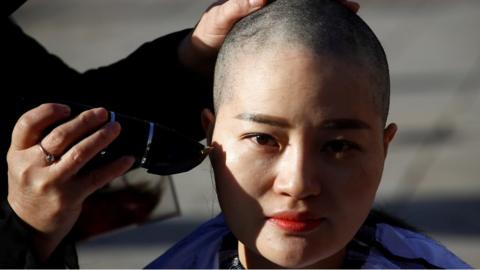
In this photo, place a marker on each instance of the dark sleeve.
(16, 245)
(7, 7)
(27, 69)
(150, 84)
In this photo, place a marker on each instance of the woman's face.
(299, 153)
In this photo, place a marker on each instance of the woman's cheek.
(361, 185)
(251, 169)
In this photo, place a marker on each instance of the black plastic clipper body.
(157, 148)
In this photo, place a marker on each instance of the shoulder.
(198, 250)
(393, 246)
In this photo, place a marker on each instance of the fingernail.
(65, 109)
(114, 127)
(128, 161)
(255, 3)
(101, 114)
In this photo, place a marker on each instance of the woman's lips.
(295, 222)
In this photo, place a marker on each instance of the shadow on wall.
(153, 234)
(449, 216)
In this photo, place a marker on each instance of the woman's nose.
(299, 174)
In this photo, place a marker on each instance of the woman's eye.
(264, 140)
(340, 146)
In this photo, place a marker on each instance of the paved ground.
(432, 177)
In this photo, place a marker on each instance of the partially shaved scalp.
(322, 26)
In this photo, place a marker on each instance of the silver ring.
(49, 158)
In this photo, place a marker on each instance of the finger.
(28, 129)
(216, 3)
(233, 10)
(77, 156)
(98, 178)
(351, 5)
(57, 141)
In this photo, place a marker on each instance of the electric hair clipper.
(159, 149)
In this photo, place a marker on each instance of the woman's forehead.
(298, 83)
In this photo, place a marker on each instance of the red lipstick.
(295, 221)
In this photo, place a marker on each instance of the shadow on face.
(299, 155)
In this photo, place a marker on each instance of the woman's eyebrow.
(264, 119)
(344, 123)
(333, 124)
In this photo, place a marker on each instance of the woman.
(300, 137)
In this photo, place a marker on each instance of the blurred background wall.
(432, 175)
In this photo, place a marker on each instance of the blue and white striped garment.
(377, 245)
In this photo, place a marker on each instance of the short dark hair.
(324, 26)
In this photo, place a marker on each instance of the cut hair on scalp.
(323, 26)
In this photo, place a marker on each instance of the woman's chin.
(291, 262)
(301, 260)
(287, 256)
(297, 252)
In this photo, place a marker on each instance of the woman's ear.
(208, 124)
(388, 135)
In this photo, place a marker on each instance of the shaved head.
(324, 27)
